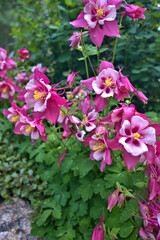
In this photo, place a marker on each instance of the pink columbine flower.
(40, 96)
(99, 12)
(134, 11)
(71, 78)
(21, 77)
(23, 53)
(137, 138)
(101, 149)
(75, 40)
(14, 113)
(40, 68)
(105, 82)
(7, 90)
(113, 199)
(89, 120)
(141, 96)
(151, 215)
(98, 232)
(31, 127)
(5, 63)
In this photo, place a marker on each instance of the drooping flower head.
(23, 54)
(98, 232)
(75, 40)
(133, 11)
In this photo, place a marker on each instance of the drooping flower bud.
(98, 232)
(113, 198)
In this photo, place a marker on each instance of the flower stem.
(130, 216)
(114, 51)
(84, 46)
(98, 53)
(115, 43)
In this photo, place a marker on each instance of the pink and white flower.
(137, 138)
(21, 77)
(40, 96)
(99, 12)
(101, 149)
(7, 90)
(14, 113)
(105, 83)
(31, 127)
(5, 63)
(89, 120)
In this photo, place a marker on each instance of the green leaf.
(140, 184)
(57, 212)
(86, 189)
(40, 157)
(43, 217)
(126, 229)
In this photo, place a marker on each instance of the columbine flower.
(101, 149)
(99, 12)
(31, 127)
(7, 90)
(98, 232)
(5, 63)
(113, 199)
(89, 120)
(21, 77)
(75, 40)
(137, 138)
(23, 53)
(14, 113)
(134, 11)
(71, 79)
(40, 68)
(40, 96)
(105, 82)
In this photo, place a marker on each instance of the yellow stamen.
(99, 147)
(29, 128)
(38, 95)
(108, 82)
(100, 12)
(85, 119)
(136, 136)
(5, 89)
(15, 118)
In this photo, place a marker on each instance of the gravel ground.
(15, 221)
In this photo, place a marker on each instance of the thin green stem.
(117, 159)
(130, 216)
(114, 51)
(85, 61)
(115, 44)
(86, 52)
(98, 55)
